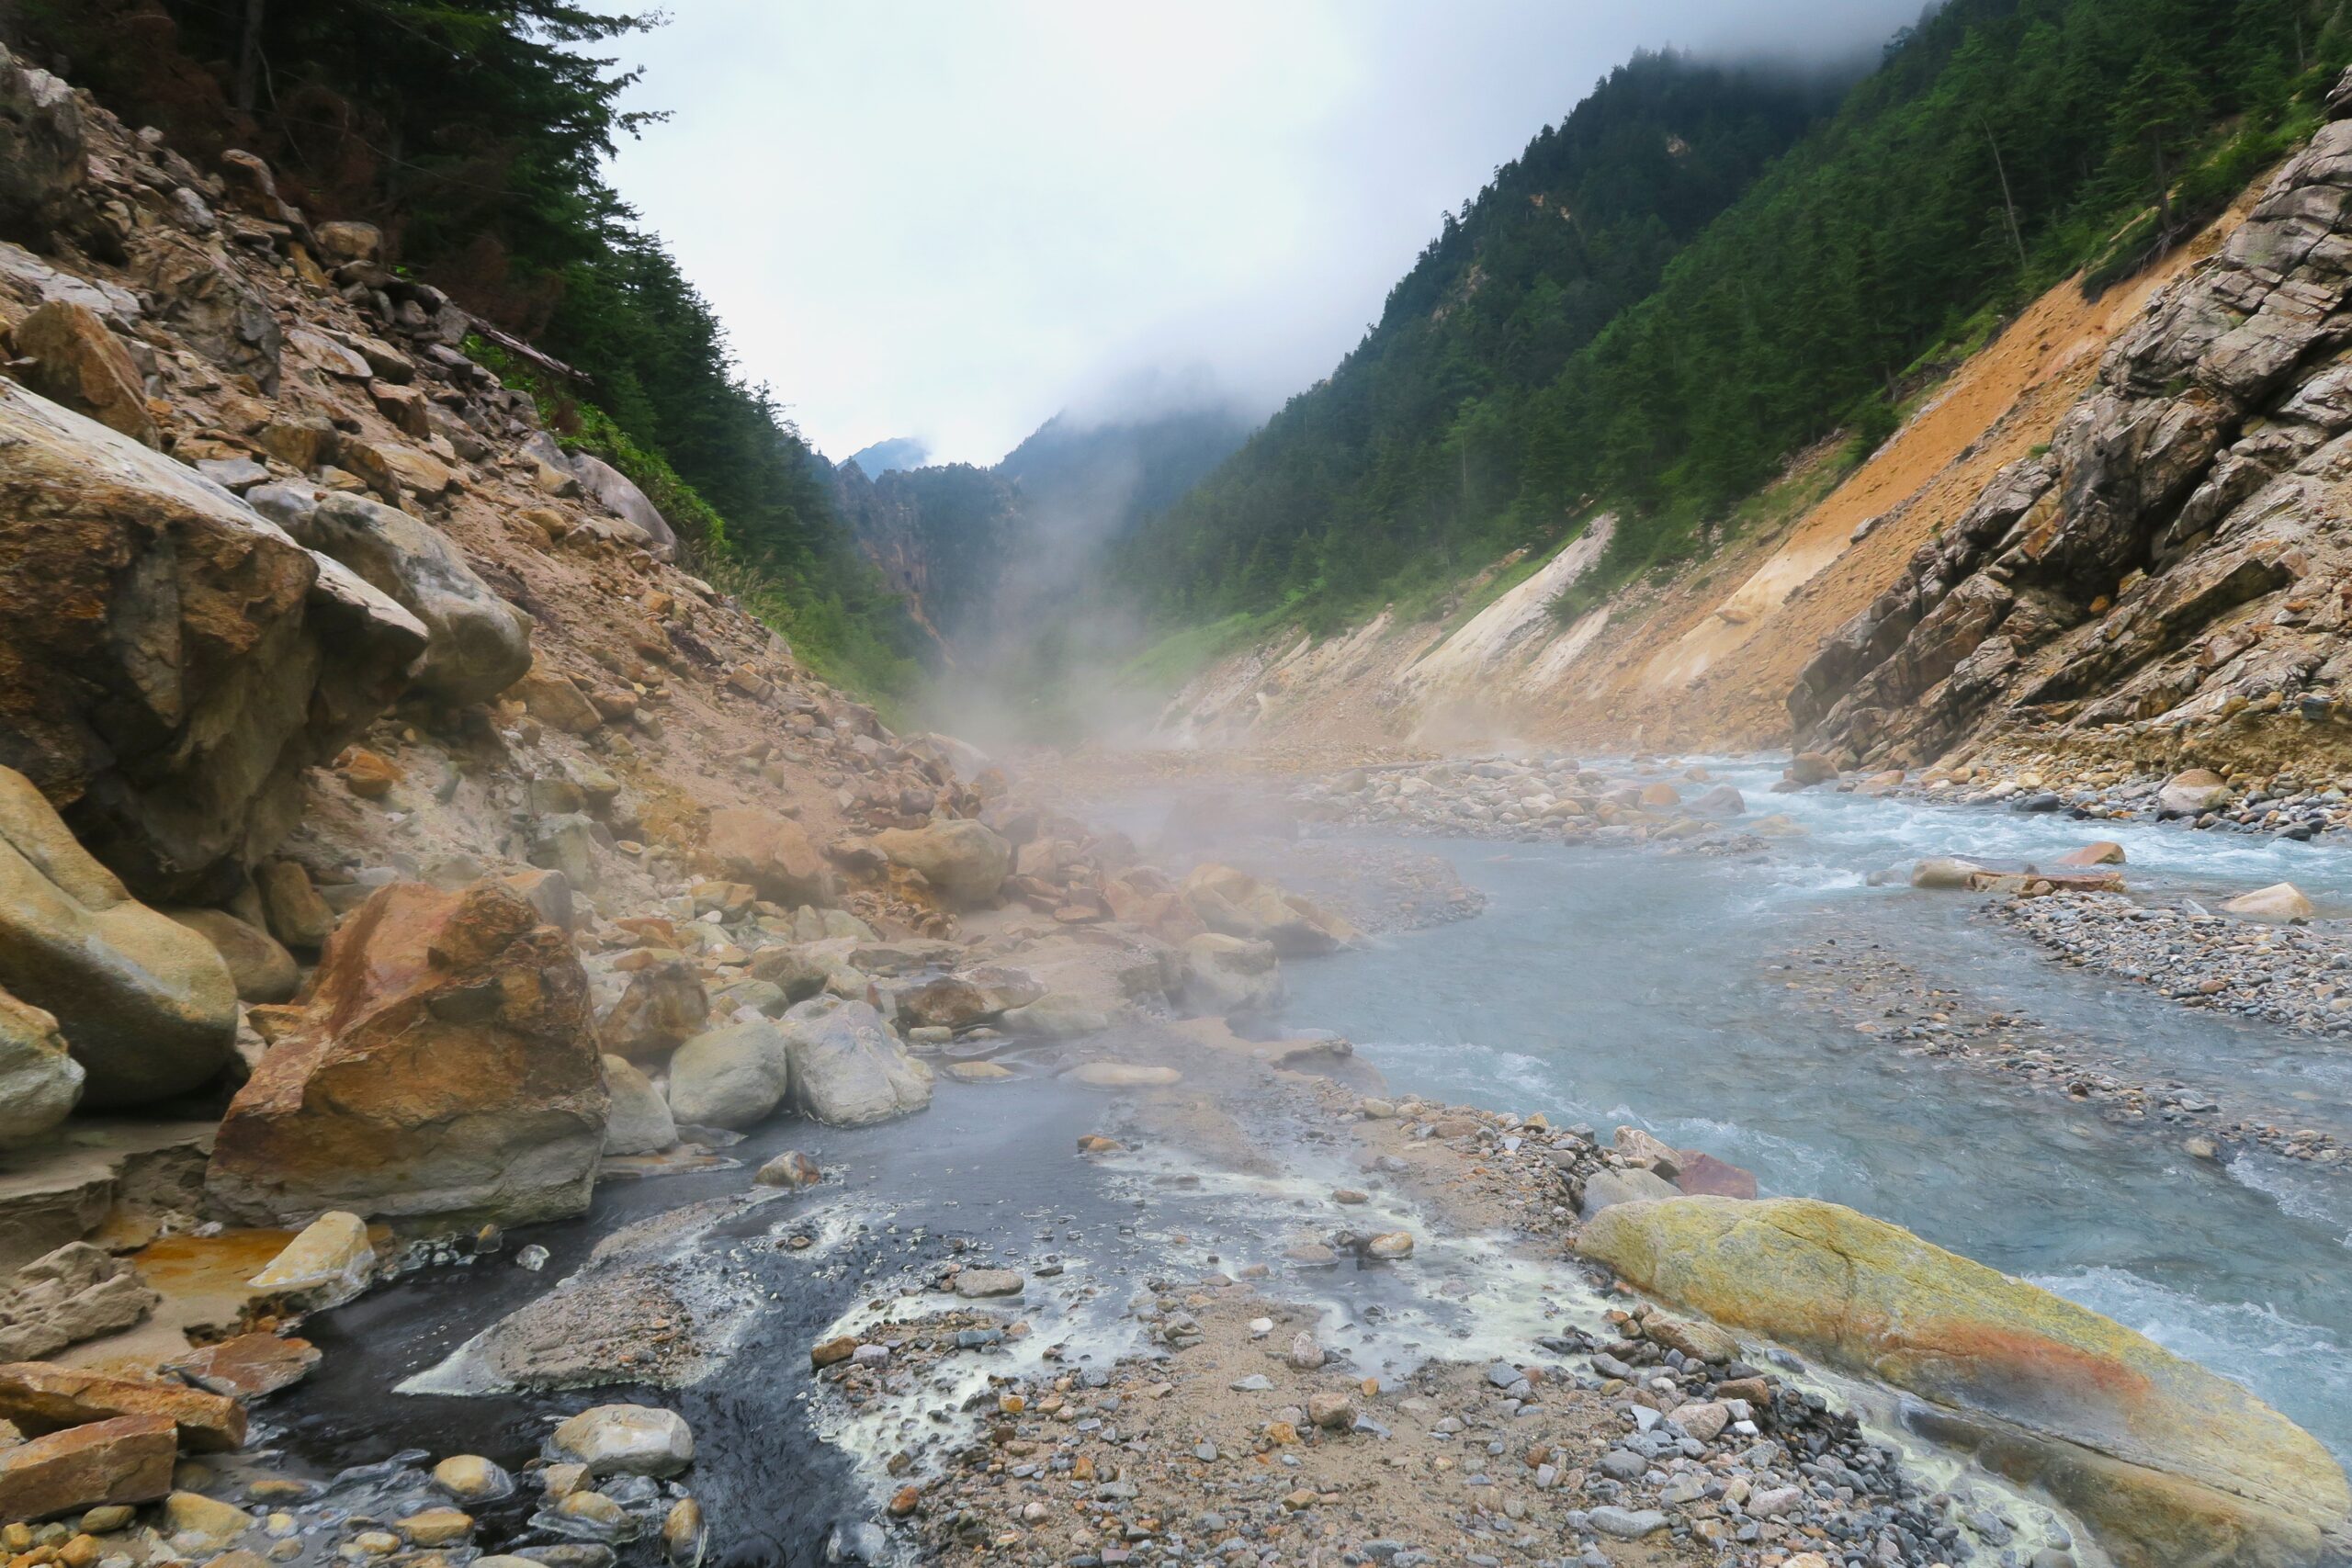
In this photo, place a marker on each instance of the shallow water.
(1612, 987)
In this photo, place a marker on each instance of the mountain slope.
(2001, 146)
(1400, 457)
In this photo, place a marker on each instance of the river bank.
(1209, 1180)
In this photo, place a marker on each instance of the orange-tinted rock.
(126, 1460)
(173, 663)
(555, 700)
(2104, 852)
(77, 362)
(771, 852)
(248, 1366)
(39, 1398)
(1703, 1175)
(664, 1007)
(445, 1064)
(367, 774)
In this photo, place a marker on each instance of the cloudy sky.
(949, 218)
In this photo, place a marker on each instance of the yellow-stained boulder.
(2175, 1466)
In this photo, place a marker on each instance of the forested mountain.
(982, 549)
(1395, 455)
(1615, 322)
(472, 132)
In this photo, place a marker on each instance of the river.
(1621, 986)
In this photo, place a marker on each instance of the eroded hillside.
(1705, 660)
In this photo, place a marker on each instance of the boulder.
(146, 1007)
(2168, 1462)
(175, 659)
(2191, 793)
(612, 491)
(298, 916)
(126, 1460)
(791, 1169)
(37, 1398)
(1945, 873)
(626, 1440)
(1056, 1016)
(476, 644)
(1238, 904)
(1808, 768)
(1649, 1151)
(1722, 800)
(1229, 975)
(966, 997)
(331, 1261)
(39, 1080)
(445, 1065)
(552, 699)
(663, 1006)
(2105, 851)
(76, 1292)
(1702, 1175)
(260, 969)
(75, 362)
(344, 240)
(734, 1076)
(1607, 1189)
(848, 1069)
(639, 1122)
(964, 860)
(246, 1365)
(772, 853)
(2279, 901)
(43, 156)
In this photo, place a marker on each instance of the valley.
(1637, 931)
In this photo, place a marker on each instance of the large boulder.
(126, 1460)
(612, 490)
(2279, 901)
(73, 360)
(2173, 1465)
(966, 861)
(146, 1006)
(261, 969)
(734, 1076)
(1240, 905)
(39, 1080)
(848, 1069)
(445, 1064)
(2191, 793)
(42, 156)
(172, 660)
(639, 1122)
(62, 1298)
(1230, 974)
(663, 1006)
(772, 853)
(478, 644)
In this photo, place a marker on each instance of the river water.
(1622, 986)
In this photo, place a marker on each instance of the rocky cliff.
(2172, 572)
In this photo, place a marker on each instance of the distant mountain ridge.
(888, 457)
(977, 551)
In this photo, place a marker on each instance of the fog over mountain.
(1081, 192)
